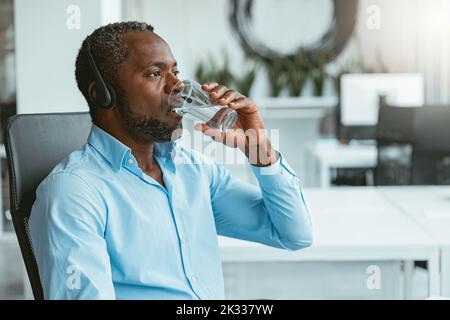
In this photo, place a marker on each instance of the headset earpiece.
(101, 93)
(103, 96)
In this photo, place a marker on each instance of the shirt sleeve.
(67, 226)
(274, 214)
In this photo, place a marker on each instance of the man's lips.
(175, 102)
(171, 112)
(171, 108)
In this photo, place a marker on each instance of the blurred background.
(357, 93)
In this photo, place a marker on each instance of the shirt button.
(130, 161)
(194, 279)
(183, 242)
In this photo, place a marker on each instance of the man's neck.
(142, 150)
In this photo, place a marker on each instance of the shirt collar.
(116, 152)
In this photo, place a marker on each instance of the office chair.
(395, 136)
(35, 143)
(431, 155)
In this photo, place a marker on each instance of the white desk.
(351, 224)
(429, 207)
(330, 154)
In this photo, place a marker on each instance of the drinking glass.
(194, 103)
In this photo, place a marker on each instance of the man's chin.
(177, 132)
(148, 129)
(155, 131)
(167, 132)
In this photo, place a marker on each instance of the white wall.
(46, 50)
(413, 36)
(194, 29)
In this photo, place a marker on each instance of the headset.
(101, 93)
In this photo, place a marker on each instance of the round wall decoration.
(330, 44)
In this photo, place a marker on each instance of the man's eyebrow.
(160, 64)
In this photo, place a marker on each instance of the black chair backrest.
(431, 156)
(395, 136)
(35, 143)
(395, 124)
(432, 129)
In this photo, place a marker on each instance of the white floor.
(10, 269)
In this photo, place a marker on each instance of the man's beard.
(145, 128)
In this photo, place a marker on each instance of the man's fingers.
(229, 96)
(215, 134)
(239, 103)
(222, 94)
(218, 92)
(209, 85)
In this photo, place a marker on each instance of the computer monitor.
(360, 95)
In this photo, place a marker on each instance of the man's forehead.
(145, 47)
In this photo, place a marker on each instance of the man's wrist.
(268, 160)
(271, 170)
(258, 148)
(262, 157)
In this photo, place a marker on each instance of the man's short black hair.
(109, 52)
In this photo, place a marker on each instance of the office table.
(352, 224)
(428, 207)
(329, 154)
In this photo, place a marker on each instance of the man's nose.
(175, 85)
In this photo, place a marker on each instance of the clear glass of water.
(192, 101)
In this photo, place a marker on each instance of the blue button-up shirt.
(103, 229)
